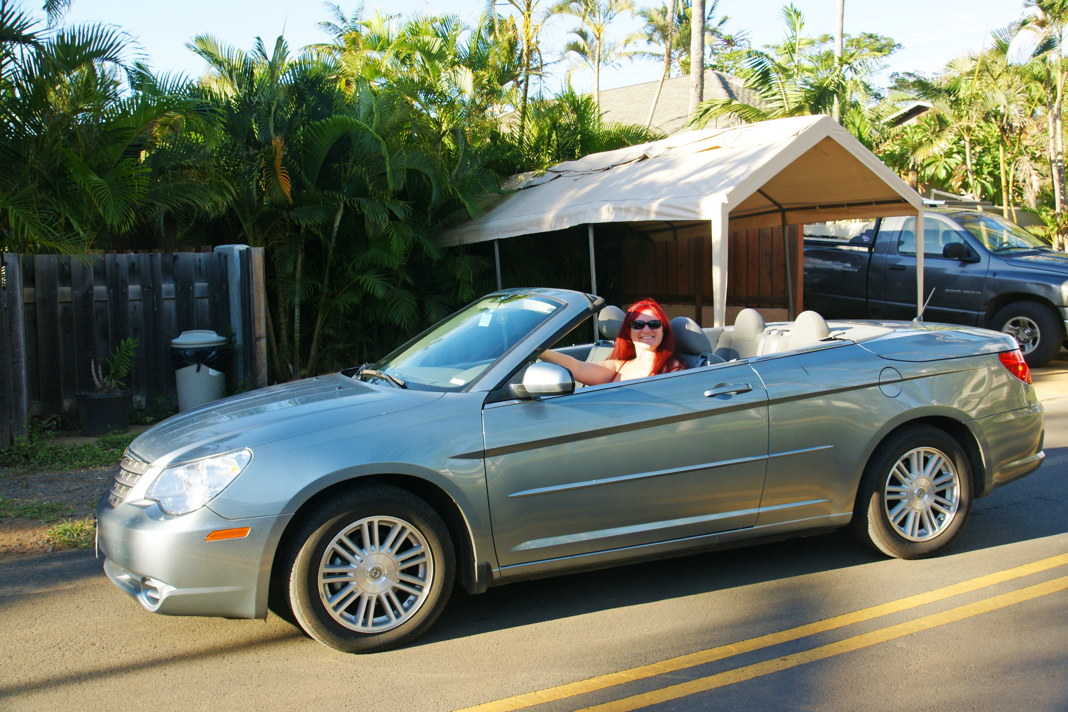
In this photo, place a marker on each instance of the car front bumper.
(167, 564)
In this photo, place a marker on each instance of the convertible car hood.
(274, 413)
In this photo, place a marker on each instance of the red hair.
(665, 351)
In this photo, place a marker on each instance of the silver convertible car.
(363, 497)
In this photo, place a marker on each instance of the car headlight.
(186, 488)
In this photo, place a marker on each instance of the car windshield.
(999, 235)
(459, 349)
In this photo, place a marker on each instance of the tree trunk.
(1003, 170)
(968, 164)
(668, 42)
(838, 47)
(1058, 134)
(324, 295)
(597, 74)
(697, 54)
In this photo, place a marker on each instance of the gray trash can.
(199, 357)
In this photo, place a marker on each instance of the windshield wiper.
(375, 373)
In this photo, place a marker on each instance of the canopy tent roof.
(781, 172)
(808, 168)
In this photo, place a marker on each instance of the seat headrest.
(808, 327)
(610, 321)
(748, 323)
(689, 339)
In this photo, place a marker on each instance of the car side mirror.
(542, 379)
(958, 251)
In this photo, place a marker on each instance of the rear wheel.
(370, 570)
(915, 493)
(1035, 328)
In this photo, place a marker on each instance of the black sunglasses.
(638, 324)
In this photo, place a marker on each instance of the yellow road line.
(822, 652)
(702, 657)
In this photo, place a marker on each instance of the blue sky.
(931, 31)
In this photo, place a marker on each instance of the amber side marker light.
(1014, 361)
(223, 534)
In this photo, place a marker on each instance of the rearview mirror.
(544, 379)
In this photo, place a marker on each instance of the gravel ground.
(79, 490)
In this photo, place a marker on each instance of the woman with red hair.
(644, 347)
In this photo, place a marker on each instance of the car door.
(955, 286)
(626, 464)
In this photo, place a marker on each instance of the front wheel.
(1035, 328)
(370, 570)
(915, 494)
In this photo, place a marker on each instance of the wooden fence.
(675, 267)
(57, 313)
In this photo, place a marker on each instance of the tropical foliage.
(801, 76)
(343, 160)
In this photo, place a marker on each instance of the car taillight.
(1014, 361)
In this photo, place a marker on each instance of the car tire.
(1035, 328)
(915, 493)
(370, 570)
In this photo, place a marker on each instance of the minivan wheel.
(370, 570)
(915, 493)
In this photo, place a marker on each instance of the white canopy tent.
(781, 172)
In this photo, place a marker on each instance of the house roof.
(630, 104)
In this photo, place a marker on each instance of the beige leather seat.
(609, 320)
(745, 337)
(808, 328)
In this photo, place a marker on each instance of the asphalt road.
(812, 624)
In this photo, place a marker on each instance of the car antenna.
(918, 321)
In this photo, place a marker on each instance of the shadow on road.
(1023, 511)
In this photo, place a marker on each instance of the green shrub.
(73, 534)
(38, 450)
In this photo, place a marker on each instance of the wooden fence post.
(14, 386)
(257, 286)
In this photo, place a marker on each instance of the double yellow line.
(818, 653)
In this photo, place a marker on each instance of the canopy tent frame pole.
(791, 303)
(497, 262)
(593, 272)
(920, 230)
(719, 269)
(593, 260)
(791, 306)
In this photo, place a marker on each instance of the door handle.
(728, 389)
(896, 268)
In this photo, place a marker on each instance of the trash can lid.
(198, 337)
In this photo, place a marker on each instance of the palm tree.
(570, 126)
(666, 28)
(661, 25)
(1041, 37)
(592, 45)
(839, 27)
(697, 55)
(343, 167)
(799, 77)
(79, 148)
(529, 31)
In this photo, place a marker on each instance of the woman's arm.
(591, 374)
